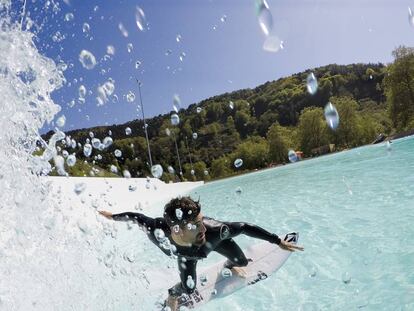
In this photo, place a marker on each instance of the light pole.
(145, 123)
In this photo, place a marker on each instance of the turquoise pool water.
(355, 214)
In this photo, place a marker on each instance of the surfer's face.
(193, 232)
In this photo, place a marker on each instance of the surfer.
(186, 233)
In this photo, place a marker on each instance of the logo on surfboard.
(260, 276)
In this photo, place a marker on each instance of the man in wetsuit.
(184, 232)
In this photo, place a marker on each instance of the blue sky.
(224, 59)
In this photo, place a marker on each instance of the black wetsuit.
(219, 238)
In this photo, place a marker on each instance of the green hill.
(259, 126)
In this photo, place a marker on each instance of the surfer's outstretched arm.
(138, 218)
(236, 228)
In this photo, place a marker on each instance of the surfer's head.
(185, 220)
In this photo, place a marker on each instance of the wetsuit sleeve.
(236, 228)
(138, 218)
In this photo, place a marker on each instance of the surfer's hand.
(106, 214)
(239, 271)
(172, 303)
(289, 246)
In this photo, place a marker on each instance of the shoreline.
(389, 138)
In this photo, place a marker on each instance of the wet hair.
(186, 206)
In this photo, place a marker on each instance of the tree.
(277, 146)
(265, 121)
(199, 169)
(230, 127)
(367, 130)
(312, 129)
(254, 153)
(399, 87)
(346, 134)
(220, 167)
(240, 120)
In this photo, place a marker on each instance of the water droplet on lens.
(71, 160)
(82, 91)
(123, 30)
(140, 18)
(190, 282)
(96, 142)
(272, 44)
(311, 83)
(128, 131)
(107, 141)
(178, 38)
(223, 19)
(331, 116)
(176, 103)
(411, 17)
(156, 171)
(195, 135)
(87, 150)
(114, 169)
(175, 119)
(171, 170)
(87, 59)
(226, 273)
(130, 97)
(130, 47)
(126, 174)
(69, 17)
(264, 16)
(179, 213)
(292, 156)
(182, 56)
(86, 28)
(198, 109)
(60, 122)
(110, 49)
(118, 153)
(238, 163)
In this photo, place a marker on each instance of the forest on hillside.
(259, 125)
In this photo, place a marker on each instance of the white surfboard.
(266, 259)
